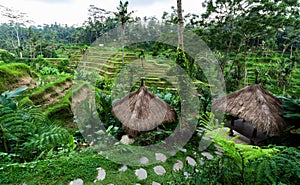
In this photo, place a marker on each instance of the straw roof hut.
(255, 105)
(143, 111)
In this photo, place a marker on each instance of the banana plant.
(7, 97)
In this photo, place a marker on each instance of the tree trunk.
(123, 33)
(19, 43)
(180, 25)
(245, 70)
(233, 62)
(231, 38)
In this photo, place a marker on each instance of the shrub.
(49, 71)
(64, 66)
(245, 164)
(25, 132)
(6, 56)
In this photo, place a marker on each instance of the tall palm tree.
(123, 16)
(180, 24)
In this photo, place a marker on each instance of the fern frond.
(51, 137)
(26, 132)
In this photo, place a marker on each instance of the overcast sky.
(75, 12)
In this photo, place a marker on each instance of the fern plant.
(26, 132)
(280, 168)
(48, 138)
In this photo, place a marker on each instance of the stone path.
(76, 182)
(159, 170)
(141, 174)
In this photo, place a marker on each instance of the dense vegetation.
(41, 141)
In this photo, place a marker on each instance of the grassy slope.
(82, 165)
(12, 73)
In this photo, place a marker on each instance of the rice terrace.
(173, 98)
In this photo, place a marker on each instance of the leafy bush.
(245, 164)
(291, 114)
(7, 98)
(172, 98)
(83, 75)
(25, 132)
(49, 71)
(6, 57)
(291, 109)
(105, 84)
(64, 66)
(281, 167)
(111, 123)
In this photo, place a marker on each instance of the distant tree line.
(227, 26)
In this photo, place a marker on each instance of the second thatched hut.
(255, 105)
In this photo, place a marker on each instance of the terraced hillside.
(14, 75)
(270, 71)
(106, 62)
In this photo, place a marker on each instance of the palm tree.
(123, 16)
(180, 24)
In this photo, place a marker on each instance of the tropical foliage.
(254, 42)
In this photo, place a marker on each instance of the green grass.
(11, 73)
(55, 171)
(49, 87)
(84, 165)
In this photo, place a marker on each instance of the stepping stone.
(220, 150)
(173, 152)
(183, 150)
(217, 145)
(123, 168)
(191, 161)
(155, 183)
(141, 174)
(76, 182)
(201, 162)
(144, 160)
(101, 174)
(159, 170)
(178, 166)
(160, 157)
(126, 140)
(186, 174)
(207, 155)
(206, 138)
(218, 153)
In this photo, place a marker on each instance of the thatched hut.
(255, 105)
(142, 110)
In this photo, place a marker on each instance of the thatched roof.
(255, 105)
(143, 111)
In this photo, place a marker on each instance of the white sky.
(75, 12)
